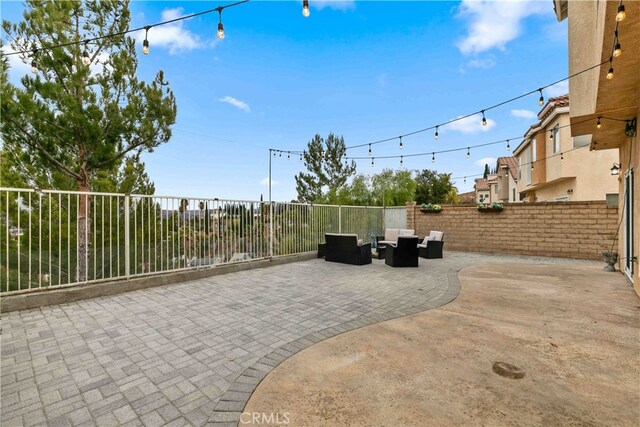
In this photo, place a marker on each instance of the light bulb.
(508, 146)
(561, 156)
(372, 162)
(436, 135)
(617, 51)
(369, 149)
(621, 13)
(145, 47)
(468, 152)
(401, 162)
(401, 143)
(610, 73)
(288, 156)
(85, 58)
(34, 66)
(220, 30)
(433, 157)
(484, 119)
(305, 9)
(599, 124)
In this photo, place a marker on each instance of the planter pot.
(610, 258)
(490, 210)
(430, 211)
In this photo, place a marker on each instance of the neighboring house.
(486, 189)
(468, 198)
(554, 166)
(592, 27)
(507, 180)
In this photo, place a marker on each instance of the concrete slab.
(573, 330)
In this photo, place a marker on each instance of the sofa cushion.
(360, 242)
(406, 232)
(391, 234)
(387, 242)
(427, 239)
(438, 235)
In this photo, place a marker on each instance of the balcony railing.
(50, 239)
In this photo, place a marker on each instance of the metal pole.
(340, 219)
(270, 210)
(127, 261)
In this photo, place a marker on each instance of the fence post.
(340, 219)
(271, 229)
(127, 258)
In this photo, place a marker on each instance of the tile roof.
(560, 101)
(482, 184)
(511, 163)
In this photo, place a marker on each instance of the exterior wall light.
(615, 169)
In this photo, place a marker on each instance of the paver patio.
(191, 353)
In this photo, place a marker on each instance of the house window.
(527, 168)
(556, 139)
(533, 150)
(519, 168)
(562, 199)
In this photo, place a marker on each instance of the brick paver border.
(230, 407)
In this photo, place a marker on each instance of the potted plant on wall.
(430, 208)
(493, 207)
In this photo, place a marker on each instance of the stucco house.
(609, 94)
(553, 165)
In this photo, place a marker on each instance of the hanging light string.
(469, 147)
(466, 148)
(616, 51)
(218, 9)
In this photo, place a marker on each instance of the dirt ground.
(574, 330)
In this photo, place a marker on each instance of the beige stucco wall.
(593, 179)
(630, 158)
(586, 26)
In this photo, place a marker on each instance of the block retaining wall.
(556, 229)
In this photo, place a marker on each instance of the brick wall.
(556, 229)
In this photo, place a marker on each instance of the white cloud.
(491, 161)
(492, 24)
(333, 4)
(236, 103)
(265, 182)
(17, 68)
(557, 89)
(485, 63)
(472, 124)
(524, 114)
(171, 36)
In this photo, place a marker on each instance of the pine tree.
(486, 171)
(327, 171)
(78, 119)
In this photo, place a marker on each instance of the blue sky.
(364, 70)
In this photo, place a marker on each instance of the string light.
(300, 156)
(288, 155)
(541, 100)
(484, 119)
(220, 25)
(465, 179)
(433, 157)
(508, 146)
(436, 135)
(145, 43)
(86, 60)
(468, 152)
(369, 149)
(305, 8)
(34, 65)
(532, 165)
(599, 124)
(610, 72)
(621, 14)
(561, 156)
(280, 154)
(401, 161)
(617, 50)
(372, 159)
(400, 142)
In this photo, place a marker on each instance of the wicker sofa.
(347, 249)
(391, 235)
(404, 254)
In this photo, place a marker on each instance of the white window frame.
(556, 139)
